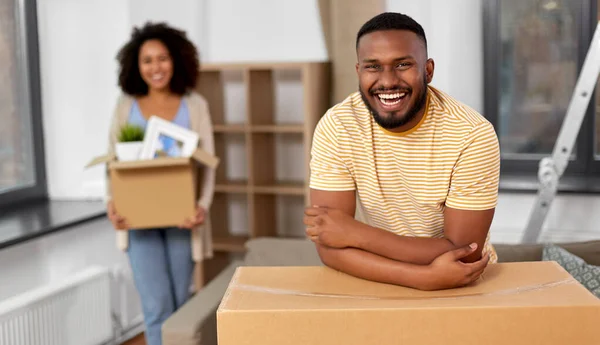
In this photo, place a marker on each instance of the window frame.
(585, 165)
(27, 27)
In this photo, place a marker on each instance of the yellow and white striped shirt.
(404, 180)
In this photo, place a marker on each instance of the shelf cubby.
(263, 115)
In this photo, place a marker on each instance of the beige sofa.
(195, 322)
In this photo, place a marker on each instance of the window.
(534, 50)
(22, 175)
(597, 108)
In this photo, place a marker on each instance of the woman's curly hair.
(183, 54)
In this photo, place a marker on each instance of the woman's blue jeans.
(162, 266)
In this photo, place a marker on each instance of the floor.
(139, 340)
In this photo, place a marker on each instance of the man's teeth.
(392, 98)
(391, 95)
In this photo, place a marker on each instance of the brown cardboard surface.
(155, 196)
(205, 158)
(100, 160)
(159, 192)
(148, 163)
(522, 303)
(200, 156)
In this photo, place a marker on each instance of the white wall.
(78, 42)
(454, 38)
(183, 14)
(264, 30)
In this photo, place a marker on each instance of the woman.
(158, 73)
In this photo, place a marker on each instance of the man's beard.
(392, 122)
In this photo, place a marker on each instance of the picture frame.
(166, 139)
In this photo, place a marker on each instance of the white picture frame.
(158, 131)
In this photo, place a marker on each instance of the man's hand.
(448, 271)
(118, 222)
(330, 227)
(195, 220)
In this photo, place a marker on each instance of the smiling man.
(424, 167)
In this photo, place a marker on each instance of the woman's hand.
(118, 222)
(195, 220)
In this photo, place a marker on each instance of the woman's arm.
(112, 142)
(207, 143)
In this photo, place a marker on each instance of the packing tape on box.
(288, 292)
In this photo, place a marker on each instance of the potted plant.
(130, 142)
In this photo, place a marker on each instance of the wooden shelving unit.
(259, 132)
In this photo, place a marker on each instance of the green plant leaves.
(130, 133)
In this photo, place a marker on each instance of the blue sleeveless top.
(182, 118)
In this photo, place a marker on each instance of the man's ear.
(429, 67)
(357, 67)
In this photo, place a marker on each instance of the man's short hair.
(391, 21)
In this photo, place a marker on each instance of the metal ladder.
(551, 168)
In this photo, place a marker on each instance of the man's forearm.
(365, 265)
(415, 250)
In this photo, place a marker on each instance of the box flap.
(149, 163)
(100, 160)
(313, 288)
(205, 158)
(200, 156)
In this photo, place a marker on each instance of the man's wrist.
(414, 276)
(359, 235)
(426, 278)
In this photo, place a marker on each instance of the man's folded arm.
(462, 228)
(365, 265)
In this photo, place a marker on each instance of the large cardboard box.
(157, 192)
(513, 303)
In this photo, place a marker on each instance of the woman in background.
(158, 73)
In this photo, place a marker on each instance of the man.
(424, 166)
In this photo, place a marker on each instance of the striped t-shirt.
(404, 180)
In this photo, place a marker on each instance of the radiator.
(75, 311)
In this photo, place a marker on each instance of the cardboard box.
(514, 303)
(158, 192)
